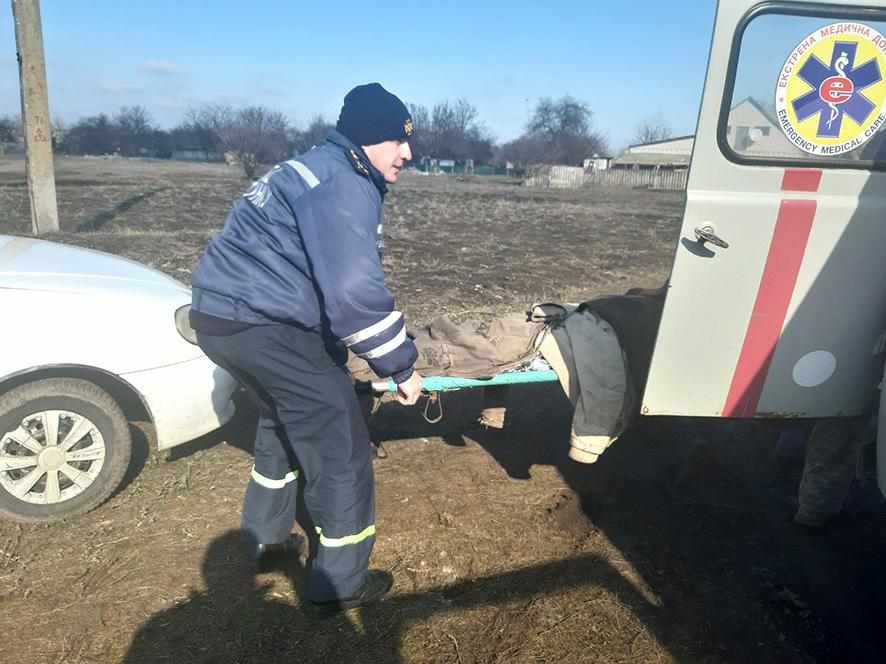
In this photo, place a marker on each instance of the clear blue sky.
(628, 60)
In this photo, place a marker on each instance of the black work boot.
(375, 587)
(268, 557)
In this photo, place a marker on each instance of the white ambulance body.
(777, 298)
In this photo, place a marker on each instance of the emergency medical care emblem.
(830, 93)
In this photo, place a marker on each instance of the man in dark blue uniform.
(292, 282)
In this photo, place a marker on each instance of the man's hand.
(409, 391)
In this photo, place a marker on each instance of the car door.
(777, 295)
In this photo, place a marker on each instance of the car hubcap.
(53, 456)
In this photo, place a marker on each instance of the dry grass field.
(675, 547)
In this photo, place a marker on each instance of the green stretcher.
(449, 383)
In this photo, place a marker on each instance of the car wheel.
(64, 448)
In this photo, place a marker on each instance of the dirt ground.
(675, 547)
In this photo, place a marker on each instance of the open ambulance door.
(777, 298)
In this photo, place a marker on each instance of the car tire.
(41, 481)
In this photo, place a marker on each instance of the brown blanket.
(447, 349)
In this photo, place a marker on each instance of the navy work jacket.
(302, 247)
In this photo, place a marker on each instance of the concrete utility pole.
(35, 115)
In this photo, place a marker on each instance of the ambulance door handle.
(706, 233)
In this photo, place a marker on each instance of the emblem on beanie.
(407, 127)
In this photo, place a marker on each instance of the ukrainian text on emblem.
(830, 93)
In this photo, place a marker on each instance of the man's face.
(389, 157)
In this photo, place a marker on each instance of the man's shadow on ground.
(237, 618)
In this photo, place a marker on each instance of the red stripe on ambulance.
(800, 179)
(789, 240)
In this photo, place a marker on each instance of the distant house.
(669, 153)
(596, 163)
(753, 131)
(448, 166)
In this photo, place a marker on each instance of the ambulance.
(776, 305)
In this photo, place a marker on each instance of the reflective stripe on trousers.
(269, 506)
(356, 538)
(270, 483)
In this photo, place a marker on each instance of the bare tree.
(130, 133)
(527, 149)
(450, 123)
(58, 129)
(210, 122)
(133, 130)
(192, 136)
(562, 132)
(134, 119)
(254, 134)
(315, 134)
(91, 135)
(652, 130)
(9, 129)
(463, 116)
(564, 116)
(421, 138)
(451, 131)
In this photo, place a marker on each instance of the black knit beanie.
(373, 115)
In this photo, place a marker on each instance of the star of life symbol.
(832, 80)
(837, 90)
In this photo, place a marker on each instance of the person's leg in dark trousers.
(312, 397)
(332, 444)
(828, 469)
(315, 402)
(269, 506)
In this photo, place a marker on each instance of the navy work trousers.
(309, 420)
